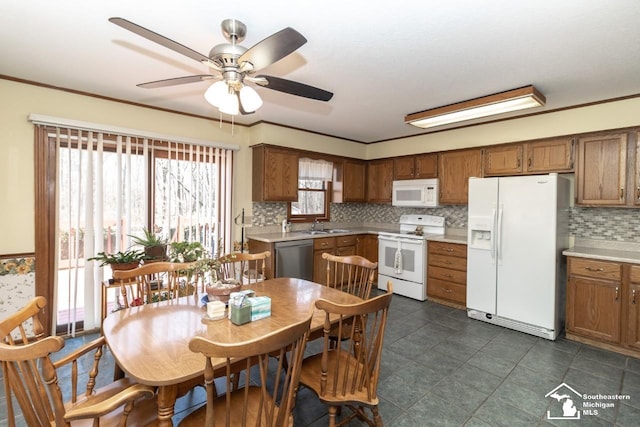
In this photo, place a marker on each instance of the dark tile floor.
(440, 368)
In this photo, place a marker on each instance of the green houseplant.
(120, 260)
(155, 247)
(186, 251)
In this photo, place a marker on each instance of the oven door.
(401, 258)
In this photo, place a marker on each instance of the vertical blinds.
(108, 186)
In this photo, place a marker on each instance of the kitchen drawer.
(635, 274)
(324, 244)
(447, 274)
(451, 249)
(448, 261)
(347, 240)
(598, 269)
(346, 250)
(447, 290)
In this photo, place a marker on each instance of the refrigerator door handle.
(499, 236)
(493, 236)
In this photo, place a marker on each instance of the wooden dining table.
(150, 343)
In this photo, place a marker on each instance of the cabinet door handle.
(447, 290)
(594, 269)
(638, 193)
(622, 193)
(447, 275)
(617, 293)
(518, 165)
(529, 162)
(449, 250)
(633, 296)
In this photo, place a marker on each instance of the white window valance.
(315, 169)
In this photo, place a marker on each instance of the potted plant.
(155, 247)
(120, 260)
(210, 271)
(186, 251)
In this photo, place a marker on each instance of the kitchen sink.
(332, 231)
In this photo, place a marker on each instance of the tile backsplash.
(615, 224)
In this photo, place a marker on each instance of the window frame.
(325, 216)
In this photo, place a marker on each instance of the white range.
(402, 256)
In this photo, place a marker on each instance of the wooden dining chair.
(244, 267)
(268, 395)
(34, 380)
(347, 374)
(154, 282)
(352, 273)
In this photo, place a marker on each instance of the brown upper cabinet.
(551, 155)
(503, 160)
(545, 156)
(601, 170)
(275, 174)
(454, 170)
(379, 180)
(350, 181)
(416, 167)
(636, 180)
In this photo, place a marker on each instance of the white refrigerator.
(516, 274)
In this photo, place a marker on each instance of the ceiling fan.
(235, 66)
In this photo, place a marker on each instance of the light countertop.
(449, 238)
(453, 237)
(605, 250)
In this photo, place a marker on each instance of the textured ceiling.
(381, 62)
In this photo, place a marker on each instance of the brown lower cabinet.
(447, 273)
(365, 245)
(256, 246)
(602, 304)
(341, 246)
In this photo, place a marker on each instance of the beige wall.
(16, 142)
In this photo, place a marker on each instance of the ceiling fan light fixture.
(250, 99)
(229, 104)
(216, 93)
(503, 102)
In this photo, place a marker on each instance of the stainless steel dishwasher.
(295, 259)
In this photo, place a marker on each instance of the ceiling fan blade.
(157, 38)
(273, 48)
(294, 88)
(177, 81)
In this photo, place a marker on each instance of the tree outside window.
(314, 189)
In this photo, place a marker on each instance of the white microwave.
(416, 193)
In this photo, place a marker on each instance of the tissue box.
(260, 307)
(240, 314)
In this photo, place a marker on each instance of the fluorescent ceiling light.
(503, 102)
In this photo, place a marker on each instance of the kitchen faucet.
(315, 224)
